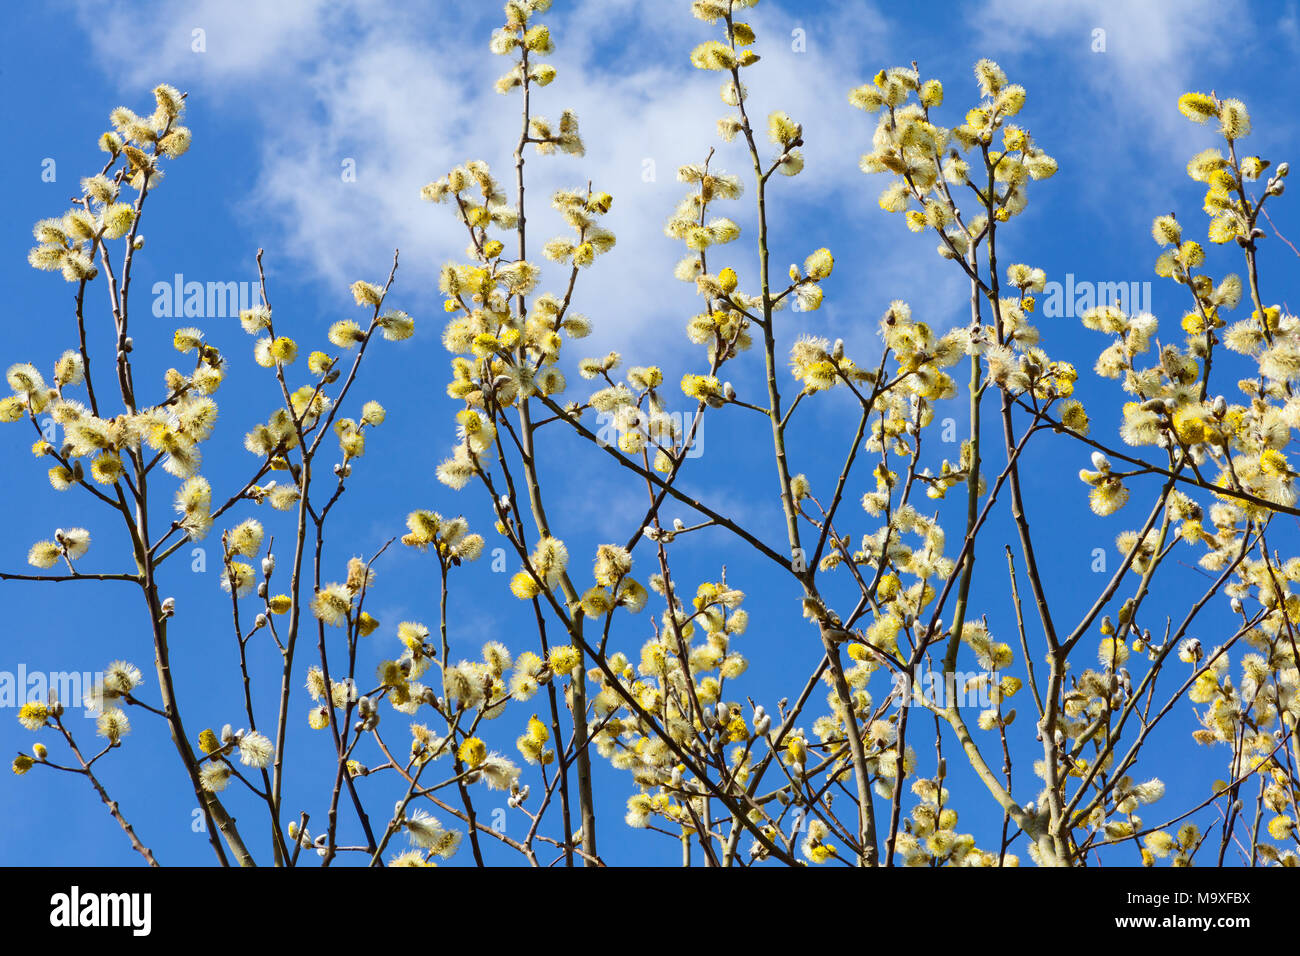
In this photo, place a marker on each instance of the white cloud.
(374, 85)
(404, 98)
(1136, 59)
(240, 42)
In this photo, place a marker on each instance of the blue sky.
(288, 96)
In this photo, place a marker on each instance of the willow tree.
(888, 591)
